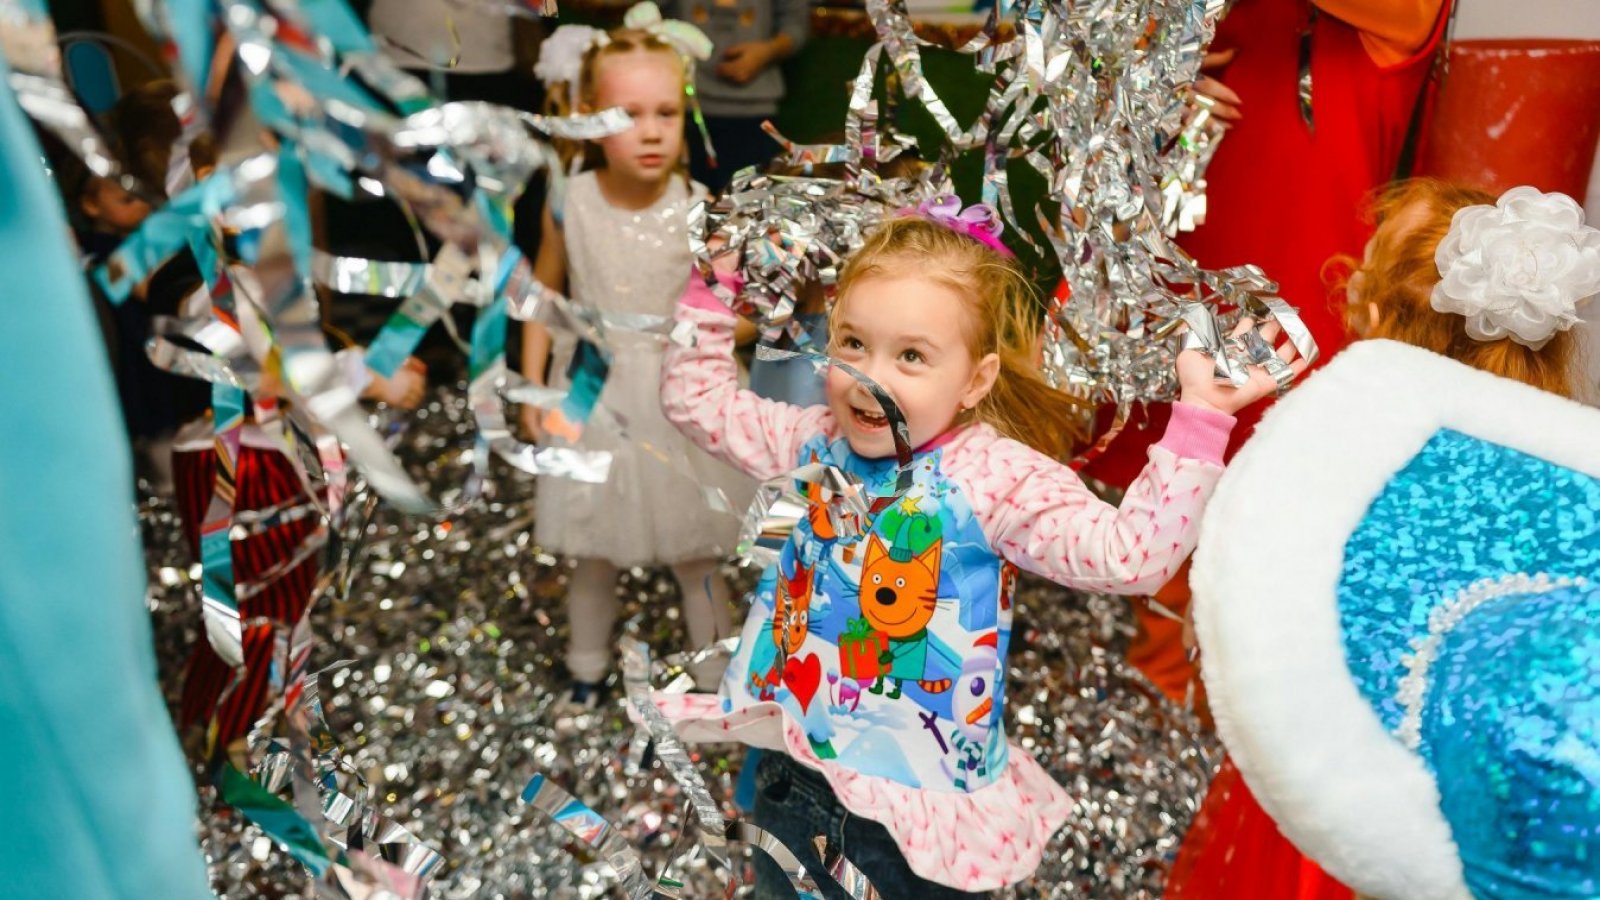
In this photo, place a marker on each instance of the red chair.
(1516, 111)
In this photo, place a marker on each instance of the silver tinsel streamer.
(452, 708)
(1108, 119)
(784, 233)
(1096, 99)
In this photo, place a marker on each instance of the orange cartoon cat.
(792, 617)
(791, 621)
(899, 593)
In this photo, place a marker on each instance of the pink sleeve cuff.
(700, 296)
(1195, 433)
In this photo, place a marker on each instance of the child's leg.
(263, 479)
(705, 602)
(591, 614)
(794, 806)
(705, 615)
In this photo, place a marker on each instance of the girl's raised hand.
(1198, 385)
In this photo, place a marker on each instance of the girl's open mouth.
(870, 421)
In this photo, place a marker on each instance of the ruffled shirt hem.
(977, 841)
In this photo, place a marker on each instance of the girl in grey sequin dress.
(621, 244)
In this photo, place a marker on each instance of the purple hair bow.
(977, 221)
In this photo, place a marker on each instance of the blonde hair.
(1001, 320)
(1413, 217)
(619, 42)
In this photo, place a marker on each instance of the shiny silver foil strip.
(47, 101)
(170, 357)
(351, 275)
(1096, 99)
(669, 749)
(717, 833)
(805, 887)
(841, 870)
(592, 466)
(593, 830)
(580, 127)
(29, 45)
(331, 794)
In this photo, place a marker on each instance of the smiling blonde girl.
(875, 662)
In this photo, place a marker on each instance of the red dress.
(1287, 198)
(1234, 852)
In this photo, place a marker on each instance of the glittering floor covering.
(455, 629)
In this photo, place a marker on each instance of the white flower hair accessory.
(561, 54)
(689, 41)
(1519, 268)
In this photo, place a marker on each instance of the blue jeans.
(795, 804)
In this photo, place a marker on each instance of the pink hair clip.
(977, 221)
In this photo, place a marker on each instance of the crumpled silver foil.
(1095, 98)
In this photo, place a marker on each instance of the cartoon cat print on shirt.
(817, 498)
(791, 622)
(792, 617)
(898, 598)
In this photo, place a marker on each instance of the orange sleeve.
(1391, 30)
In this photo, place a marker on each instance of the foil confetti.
(783, 233)
(1095, 99)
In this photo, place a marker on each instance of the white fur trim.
(1271, 551)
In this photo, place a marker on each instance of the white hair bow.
(561, 54)
(688, 40)
(1520, 268)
